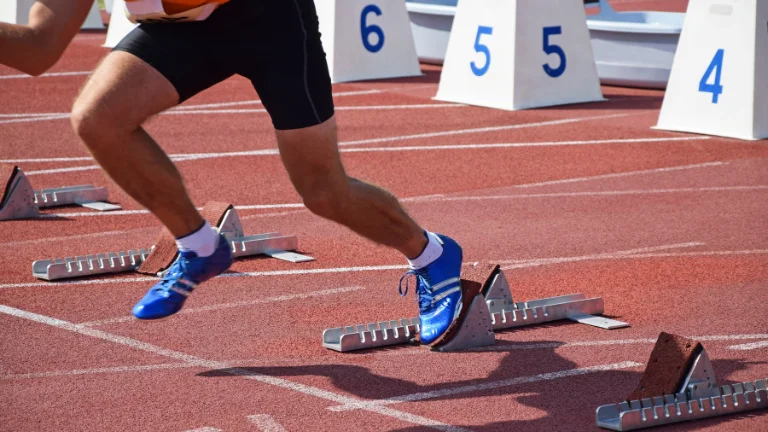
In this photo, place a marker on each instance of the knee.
(325, 198)
(87, 122)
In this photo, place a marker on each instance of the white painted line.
(221, 306)
(205, 429)
(275, 152)
(46, 75)
(577, 344)
(603, 193)
(258, 102)
(21, 115)
(73, 237)
(749, 346)
(535, 262)
(516, 145)
(34, 119)
(481, 130)
(338, 108)
(623, 174)
(486, 386)
(625, 256)
(212, 364)
(109, 370)
(266, 423)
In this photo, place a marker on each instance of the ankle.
(202, 241)
(430, 252)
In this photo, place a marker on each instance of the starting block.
(679, 385)
(19, 200)
(491, 308)
(519, 54)
(157, 259)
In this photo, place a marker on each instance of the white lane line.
(623, 174)
(118, 369)
(212, 364)
(34, 119)
(576, 344)
(535, 262)
(631, 253)
(221, 306)
(750, 346)
(482, 129)
(603, 193)
(204, 429)
(272, 151)
(21, 115)
(440, 197)
(340, 108)
(275, 152)
(266, 423)
(74, 237)
(46, 75)
(258, 102)
(486, 386)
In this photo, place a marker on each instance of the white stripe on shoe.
(446, 294)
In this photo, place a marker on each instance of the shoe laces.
(176, 270)
(424, 295)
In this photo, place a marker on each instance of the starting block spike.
(21, 201)
(491, 307)
(696, 398)
(156, 260)
(373, 335)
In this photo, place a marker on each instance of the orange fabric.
(172, 7)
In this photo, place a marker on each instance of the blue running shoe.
(438, 291)
(168, 296)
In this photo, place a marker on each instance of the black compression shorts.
(274, 43)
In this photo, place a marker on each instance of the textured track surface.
(669, 229)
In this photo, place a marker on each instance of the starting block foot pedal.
(473, 327)
(21, 201)
(679, 385)
(156, 260)
(506, 314)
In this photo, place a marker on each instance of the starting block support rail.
(697, 398)
(20, 201)
(275, 245)
(493, 309)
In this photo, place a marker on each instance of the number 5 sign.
(519, 54)
(367, 39)
(719, 79)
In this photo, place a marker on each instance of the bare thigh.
(124, 91)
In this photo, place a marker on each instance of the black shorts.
(274, 43)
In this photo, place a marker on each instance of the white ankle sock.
(202, 242)
(431, 252)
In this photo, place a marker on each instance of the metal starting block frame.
(275, 245)
(21, 201)
(499, 312)
(698, 398)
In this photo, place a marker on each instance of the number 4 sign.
(367, 39)
(719, 79)
(519, 54)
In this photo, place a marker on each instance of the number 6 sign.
(367, 39)
(542, 57)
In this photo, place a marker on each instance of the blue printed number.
(366, 29)
(551, 48)
(715, 66)
(480, 71)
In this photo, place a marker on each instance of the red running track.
(668, 228)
